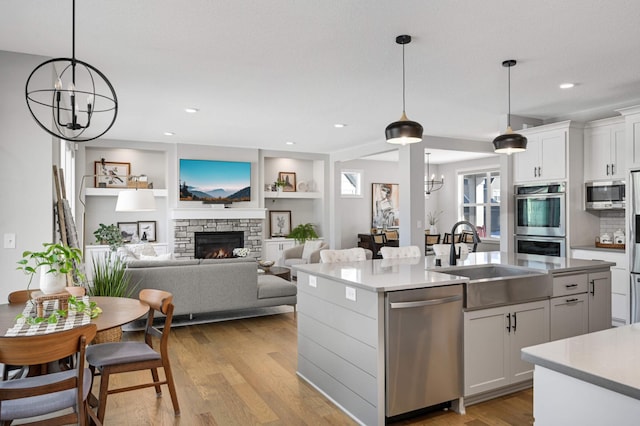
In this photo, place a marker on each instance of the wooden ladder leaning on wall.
(63, 217)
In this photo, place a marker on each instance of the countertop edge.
(576, 373)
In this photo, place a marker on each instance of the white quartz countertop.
(609, 358)
(401, 274)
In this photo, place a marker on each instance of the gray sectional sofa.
(212, 285)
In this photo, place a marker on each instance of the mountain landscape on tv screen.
(219, 195)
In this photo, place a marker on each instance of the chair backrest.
(21, 296)
(161, 301)
(467, 237)
(379, 238)
(447, 238)
(392, 235)
(76, 290)
(344, 255)
(430, 239)
(51, 347)
(399, 252)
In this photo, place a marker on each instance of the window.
(351, 183)
(480, 204)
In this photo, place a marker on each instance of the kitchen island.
(342, 311)
(591, 379)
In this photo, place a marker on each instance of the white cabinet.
(569, 316)
(493, 339)
(274, 247)
(620, 281)
(599, 301)
(604, 149)
(545, 157)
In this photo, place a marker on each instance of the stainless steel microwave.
(604, 195)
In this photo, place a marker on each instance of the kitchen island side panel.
(340, 345)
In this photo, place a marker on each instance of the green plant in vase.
(279, 184)
(109, 235)
(109, 277)
(303, 232)
(56, 261)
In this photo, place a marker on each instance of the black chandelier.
(509, 142)
(431, 184)
(403, 131)
(82, 104)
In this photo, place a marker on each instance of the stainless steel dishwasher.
(423, 336)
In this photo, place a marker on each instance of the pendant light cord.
(403, 83)
(509, 102)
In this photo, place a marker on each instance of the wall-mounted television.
(215, 182)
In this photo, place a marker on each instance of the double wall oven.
(540, 223)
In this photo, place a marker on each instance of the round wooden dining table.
(116, 311)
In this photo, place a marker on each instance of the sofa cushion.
(157, 263)
(294, 261)
(166, 256)
(273, 286)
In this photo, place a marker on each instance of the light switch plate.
(350, 293)
(9, 241)
(312, 281)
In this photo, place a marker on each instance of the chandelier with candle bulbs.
(431, 184)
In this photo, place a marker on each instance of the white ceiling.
(266, 72)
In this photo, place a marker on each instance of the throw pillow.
(138, 249)
(310, 247)
(126, 254)
(160, 257)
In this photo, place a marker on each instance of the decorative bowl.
(266, 264)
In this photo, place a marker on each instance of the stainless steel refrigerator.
(634, 243)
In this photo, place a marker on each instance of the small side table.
(39, 297)
(278, 271)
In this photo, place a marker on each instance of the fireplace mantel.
(219, 213)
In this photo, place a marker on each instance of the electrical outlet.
(350, 293)
(313, 281)
(9, 241)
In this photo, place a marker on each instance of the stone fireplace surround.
(185, 229)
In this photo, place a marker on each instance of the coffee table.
(278, 271)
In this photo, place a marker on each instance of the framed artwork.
(129, 231)
(147, 230)
(289, 179)
(111, 175)
(384, 206)
(280, 222)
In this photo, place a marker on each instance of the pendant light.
(403, 131)
(509, 142)
(430, 182)
(80, 106)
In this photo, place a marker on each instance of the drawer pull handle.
(571, 285)
(575, 299)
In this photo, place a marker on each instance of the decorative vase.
(433, 230)
(51, 283)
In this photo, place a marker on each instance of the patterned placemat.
(74, 319)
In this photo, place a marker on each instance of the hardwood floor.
(243, 372)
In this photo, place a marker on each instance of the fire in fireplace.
(217, 245)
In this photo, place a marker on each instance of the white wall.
(26, 209)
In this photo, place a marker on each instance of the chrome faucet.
(453, 256)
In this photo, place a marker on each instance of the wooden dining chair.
(51, 393)
(21, 296)
(429, 241)
(447, 238)
(121, 357)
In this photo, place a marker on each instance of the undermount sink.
(497, 285)
(494, 272)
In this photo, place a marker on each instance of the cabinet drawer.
(570, 284)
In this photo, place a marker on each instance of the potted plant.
(432, 218)
(109, 235)
(56, 261)
(279, 184)
(303, 232)
(110, 279)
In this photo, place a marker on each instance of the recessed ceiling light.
(339, 125)
(191, 110)
(289, 143)
(566, 85)
(169, 133)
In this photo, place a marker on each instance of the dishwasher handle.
(429, 302)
